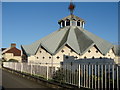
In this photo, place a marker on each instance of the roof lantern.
(71, 20)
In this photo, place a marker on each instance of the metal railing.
(94, 76)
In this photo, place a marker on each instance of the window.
(89, 51)
(96, 51)
(71, 50)
(67, 57)
(93, 57)
(74, 23)
(68, 23)
(100, 57)
(57, 57)
(40, 51)
(76, 57)
(43, 57)
(63, 23)
(78, 23)
(37, 57)
(49, 57)
(85, 57)
(62, 51)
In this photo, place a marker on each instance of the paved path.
(10, 80)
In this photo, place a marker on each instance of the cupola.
(71, 20)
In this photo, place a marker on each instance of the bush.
(59, 75)
(12, 60)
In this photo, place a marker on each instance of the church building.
(70, 42)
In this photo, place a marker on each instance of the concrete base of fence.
(42, 81)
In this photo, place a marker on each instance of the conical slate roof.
(77, 38)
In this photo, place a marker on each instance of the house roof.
(77, 38)
(2, 49)
(14, 50)
(117, 50)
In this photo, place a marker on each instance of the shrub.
(12, 60)
(59, 75)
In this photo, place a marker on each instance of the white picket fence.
(94, 76)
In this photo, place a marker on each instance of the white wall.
(44, 57)
(8, 56)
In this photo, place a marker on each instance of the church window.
(49, 57)
(68, 23)
(71, 50)
(100, 57)
(76, 57)
(37, 57)
(62, 51)
(73, 23)
(85, 57)
(63, 24)
(43, 57)
(58, 57)
(78, 23)
(89, 51)
(67, 57)
(40, 51)
(96, 51)
(93, 57)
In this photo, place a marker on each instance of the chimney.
(13, 45)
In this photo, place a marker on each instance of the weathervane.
(71, 7)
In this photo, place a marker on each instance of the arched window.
(78, 23)
(63, 23)
(67, 22)
(85, 57)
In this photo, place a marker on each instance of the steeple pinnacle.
(71, 7)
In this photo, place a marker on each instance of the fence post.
(102, 77)
(15, 66)
(109, 75)
(79, 75)
(117, 78)
(21, 67)
(98, 77)
(95, 76)
(31, 69)
(113, 76)
(105, 78)
(47, 72)
(84, 74)
(92, 76)
(89, 74)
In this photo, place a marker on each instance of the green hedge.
(12, 60)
